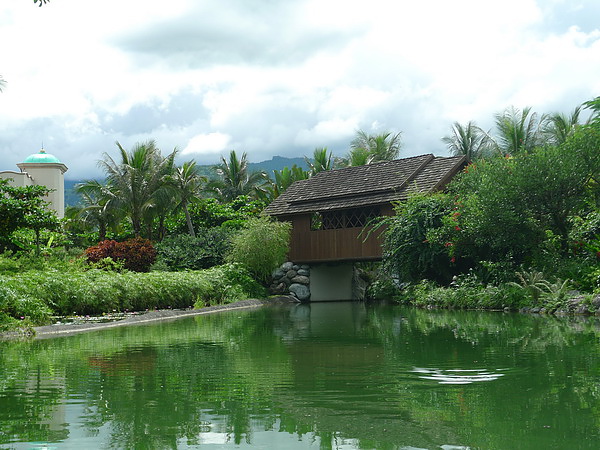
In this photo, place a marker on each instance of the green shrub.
(183, 251)
(23, 307)
(409, 253)
(464, 293)
(261, 246)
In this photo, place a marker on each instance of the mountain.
(71, 197)
(278, 163)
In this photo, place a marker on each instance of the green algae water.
(324, 376)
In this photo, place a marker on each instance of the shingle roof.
(372, 184)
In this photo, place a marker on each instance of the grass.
(33, 293)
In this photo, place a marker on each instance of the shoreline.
(162, 315)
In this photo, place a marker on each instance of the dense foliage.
(184, 252)
(410, 254)
(518, 228)
(23, 208)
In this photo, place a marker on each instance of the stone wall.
(292, 279)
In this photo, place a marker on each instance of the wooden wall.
(344, 244)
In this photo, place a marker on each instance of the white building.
(42, 169)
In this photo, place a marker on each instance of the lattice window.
(350, 218)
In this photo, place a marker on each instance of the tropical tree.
(517, 130)
(136, 180)
(188, 184)
(321, 161)
(284, 178)
(235, 178)
(381, 147)
(558, 127)
(2, 83)
(468, 140)
(355, 157)
(99, 208)
(594, 106)
(23, 207)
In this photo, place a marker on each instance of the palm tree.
(517, 130)
(380, 147)
(99, 207)
(284, 178)
(594, 106)
(235, 179)
(355, 157)
(188, 183)
(321, 161)
(136, 180)
(468, 140)
(558, 127)
(2, 83)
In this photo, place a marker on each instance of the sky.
(279, 77)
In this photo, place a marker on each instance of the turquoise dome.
(42, 157)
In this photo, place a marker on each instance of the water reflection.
(326, 375)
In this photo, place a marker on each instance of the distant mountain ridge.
(275, 163)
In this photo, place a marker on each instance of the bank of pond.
(35, 297)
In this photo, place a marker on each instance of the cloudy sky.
(279, 77)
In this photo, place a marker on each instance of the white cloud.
(278, 77)
(207, 144)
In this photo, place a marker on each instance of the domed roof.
(42, 157)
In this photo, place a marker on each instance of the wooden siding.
(342, 244)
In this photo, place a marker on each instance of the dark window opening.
(349, 218)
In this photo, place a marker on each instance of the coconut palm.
(355, 157)
(594, 106)
(321, 161)
(136, 180)
(188, 184)
(468, 140)
(558, 127)
(2, 83)
(380, 147)
(517, 130)
(99, 209)
(284, 178)
(235, 178)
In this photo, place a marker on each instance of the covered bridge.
(330, 211)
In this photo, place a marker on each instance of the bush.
(409, 253)
(261, 246)
(23, 307)
(183, 251)
(137, 254)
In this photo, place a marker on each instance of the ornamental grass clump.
(261, 246)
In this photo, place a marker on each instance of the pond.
(324, 375)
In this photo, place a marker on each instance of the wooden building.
(329, 211)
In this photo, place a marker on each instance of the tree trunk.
(188, 219)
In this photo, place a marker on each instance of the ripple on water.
(458, 376)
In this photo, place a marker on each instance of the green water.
(333, 375)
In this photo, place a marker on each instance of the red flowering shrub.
(137, 254)
(104, 249)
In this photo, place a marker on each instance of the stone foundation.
(331, 282)
(292, 279)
